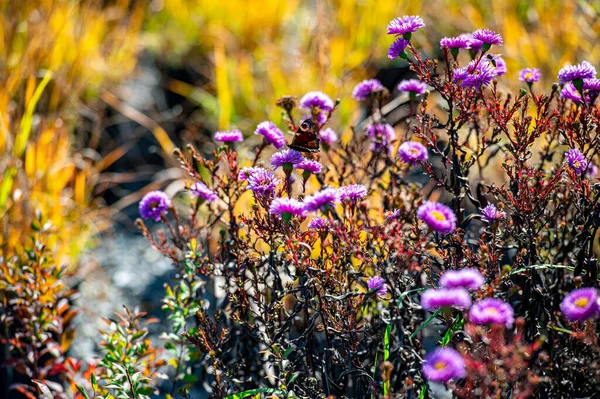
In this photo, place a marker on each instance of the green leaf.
(254, 392)
(425, 323)
(82, 391)
(386, 355)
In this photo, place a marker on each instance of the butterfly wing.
(306, 138)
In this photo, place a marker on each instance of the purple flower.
(377, 283)
(244, 173)
(286, 208)
(459, 42)
(317, 99)
(443, 365)
(353, 192)
(433, 299)
(286, 157)
(475, 74)
(591, 171)
(569, 73)
(310, 166)
(397, 48)
(569, 92)
(487, 37)
(321, 200)
(490, 214)
(226, 137)
(262, 182)
(200, 190)
(319, 223)
(412, 151)
(580, 304)
(328, 135)
(395, 214)
(500, 66)
(438, 217)
(154, 204)
(366, 89)
(492, 311)
(404, 25)
(412, 86)
(591, 84)
(271, 133)
(382, 136)
(470, 279)
(576, 160)
(530, 75)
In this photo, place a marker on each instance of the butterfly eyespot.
(305, 125)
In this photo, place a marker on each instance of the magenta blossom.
(443, 365)
(411, 152)
(319, 223)
(433, 299)
(475, 74)
(580, 304)
(244, 173)
(490, 214)
(581, 71)
(366, 89)
(576, 160)
(154, 204)
(569, 92)
(395, 214)
(470, 279)
(352, 192)
(286, 157)
(328, 135)
(317, 99)
(487, 37)
(382, 136)
(459, 42)
(438, 217)
(230, 136)
(286, 208)
(412, 86)
(321, 200)
(530, 75)
(309, 166)
(405, 26)
(271, 133)
(200, 190)
(262, 182)
(492, 311)
(377, 283)
(397, 48)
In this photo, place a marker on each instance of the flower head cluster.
(438, 217)
(475, 74)
(412, 86)
(318, 223)
(310, 166)
(487, 37)
(244, 173)
(154, 204)
(317, 100)
(576, 160)
(367, 89)
(395, 214)
(492, 311)
(458, 42)
(262, 182)
(286, 208)
(411, 152)
(230, 136)
(321, 200)
(397, 48)
(569, 92)
(286, 157)
(200, 190)
(443, 365)
(433, 299)
(490, 214)
(470, 279)
(381, 135)
(581, 71)
(580, 304)
(353, 192)
(406, 24)
(530, 75)
(271, 133)
(328, 135)
(377, 283)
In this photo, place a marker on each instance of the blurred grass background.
(63, 61)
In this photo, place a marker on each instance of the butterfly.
(306, 138)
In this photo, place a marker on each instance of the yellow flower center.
(528, 76)
(577, 164)
(491, 311)
(153, 204)
(414, 151)
(438, 215)
(582, 302)
(439, 365)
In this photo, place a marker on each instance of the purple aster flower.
(490, 214)
(271, 133)
(470, 279)
(580, 304)
(382, 136)
(569, 73)
(367, 88)
(530, 75)
(438, 217)
(473, 43)
(397, 48)
(200, 190)
(377, 283)
(500, 66)
(412, 151)
(412, 86)
(286, 208)
(591, 84)
(475, 74)
(487, 37)
(492, 311)
(433, 299)
(406, 24)
(310, 166)
(262, 182)
(317, 99)
(286, 157)
(591, 171)
(328, 135)
(395, 214)
(318, 223)
(459, 42)
(244, 173)
(569, 92)
(154, 204)
(321, 200)
(576, 160)
(443, 365)
(227, 137)
(352, 192)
